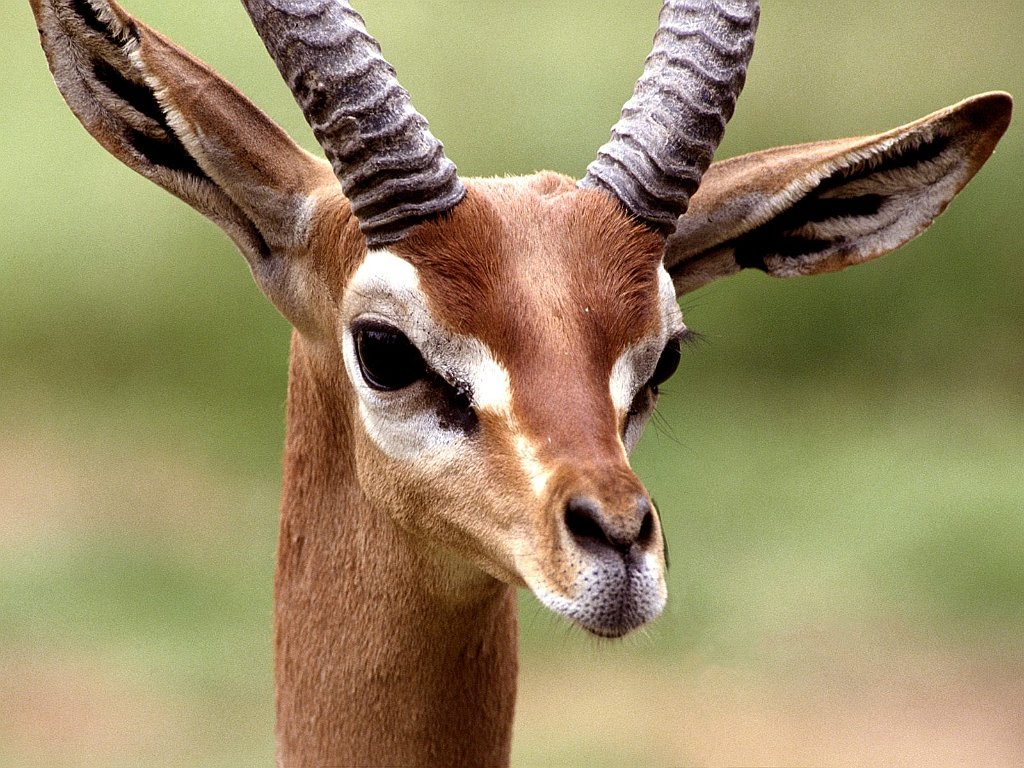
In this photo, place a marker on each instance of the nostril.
(581, 518)
(646, 533)
(594, 528)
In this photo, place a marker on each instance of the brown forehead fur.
(555, 280)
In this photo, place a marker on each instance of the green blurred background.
(839, 467)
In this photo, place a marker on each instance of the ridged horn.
(391, 168)
(671, 126)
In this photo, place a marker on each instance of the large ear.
(822, 207)
(168, 116)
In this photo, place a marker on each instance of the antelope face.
(505, 360)
(505, 339)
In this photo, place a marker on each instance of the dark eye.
(667, 364)
(387, 359)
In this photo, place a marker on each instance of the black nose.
(597, 528)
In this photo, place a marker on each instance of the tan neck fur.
(386, 654)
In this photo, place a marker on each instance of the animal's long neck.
(382, 657)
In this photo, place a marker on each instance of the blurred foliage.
(844, 449)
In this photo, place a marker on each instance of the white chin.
(612, 598)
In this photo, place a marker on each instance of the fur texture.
(544, 306)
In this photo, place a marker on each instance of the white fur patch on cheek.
(397, 422)
(634, 429)
(416, 437)
(492, 388)
(671, 315)
(622, 383)
(405, 423)
(636, 364)
(629, 373)
(534, 470)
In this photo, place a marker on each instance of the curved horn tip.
(390, 166)
(671, 126)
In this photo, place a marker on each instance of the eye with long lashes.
(388, 361)
(668, 362)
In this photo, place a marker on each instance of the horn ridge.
(392, 169)
(669, 129)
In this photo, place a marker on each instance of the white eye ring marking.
(636, 364)
(387, 288)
